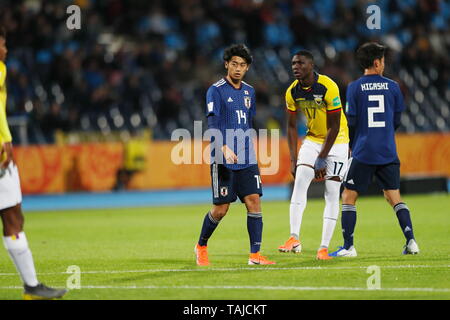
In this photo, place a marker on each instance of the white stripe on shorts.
(215, 178)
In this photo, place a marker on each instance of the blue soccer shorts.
(227, 185)
(360, 175)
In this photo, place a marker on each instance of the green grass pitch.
(147, 253)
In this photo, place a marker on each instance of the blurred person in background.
(134, 160)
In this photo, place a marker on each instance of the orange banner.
(93, 167)
(424, 154)
(56, 169)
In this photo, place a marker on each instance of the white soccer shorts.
(10, 192)
(336, 161)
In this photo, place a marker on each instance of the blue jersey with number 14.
(234, 110)
(373, 101)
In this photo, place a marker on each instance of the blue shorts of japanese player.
(360, 175)
(227, 184)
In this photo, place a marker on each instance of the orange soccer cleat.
(201, 253)
(257, 258)
(291, 245)
(322, 254)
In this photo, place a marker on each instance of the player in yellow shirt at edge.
(14, 237)
(324, 151)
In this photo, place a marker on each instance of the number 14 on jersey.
(241, 115)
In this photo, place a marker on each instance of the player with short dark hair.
(374, 106)
(324, 151)
(14, 237)
(231, 107)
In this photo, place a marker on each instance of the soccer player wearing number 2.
(374, 106)
(14, 237)
(324, 152)
(234, 170)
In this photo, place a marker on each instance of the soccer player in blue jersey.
(374, 106)
(234, 171)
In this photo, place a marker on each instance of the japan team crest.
(223, 191)
(247, 102)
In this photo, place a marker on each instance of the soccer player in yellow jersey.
(324, 151)
(14, 237)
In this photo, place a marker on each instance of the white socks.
(331, 211)
(303, 178)
(19, 252)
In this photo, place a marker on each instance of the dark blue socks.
(404, 219)
(254, 227)
(209, 225)
(348, 221)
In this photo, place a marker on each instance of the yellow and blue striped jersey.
(315, 102)
(5, 134)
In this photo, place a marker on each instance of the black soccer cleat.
(42, 292)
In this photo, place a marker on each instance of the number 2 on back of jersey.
(378, 109)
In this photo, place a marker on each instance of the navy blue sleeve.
(213, 107)
(351, 121)
(253, 106)
(213, 122)
(351, 112)
(399, 103)
(213, 102)
(397, 118)
(350, 106)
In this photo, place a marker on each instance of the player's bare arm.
(333, 125)
(292, 137)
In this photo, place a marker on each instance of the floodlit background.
(93, 109)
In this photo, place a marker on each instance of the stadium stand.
(147, 64)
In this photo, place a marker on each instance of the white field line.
(269, 288)
(255, 268)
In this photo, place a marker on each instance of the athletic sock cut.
(404, 219)
(254, 228)
(348, 221)
(331, 211)
(209, 225)
(303, 179)
(17, 247)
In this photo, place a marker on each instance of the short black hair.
(305, 53)
(368, 53)
(239, 50)
(2, 32)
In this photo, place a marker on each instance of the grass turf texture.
(147, 253)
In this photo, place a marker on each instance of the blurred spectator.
(134, 161)
(152, 59)
(53, 121)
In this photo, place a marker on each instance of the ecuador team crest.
(318, 98)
